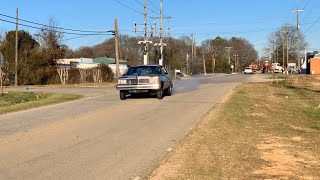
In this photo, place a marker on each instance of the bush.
(106, 72)
(74, 76)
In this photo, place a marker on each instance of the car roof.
(147, 66)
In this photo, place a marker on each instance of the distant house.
(106, 60)
(87, 63)
(73, 63)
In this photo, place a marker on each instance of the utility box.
(315, 66)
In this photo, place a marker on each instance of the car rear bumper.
(139, 87)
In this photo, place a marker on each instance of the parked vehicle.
(248, 70)
(277, 68)
(153, 79)
(292, 68)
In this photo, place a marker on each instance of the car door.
(166, 78)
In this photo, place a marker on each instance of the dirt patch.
(258, 115)
(285, 160)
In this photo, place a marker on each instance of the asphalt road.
(101, 137)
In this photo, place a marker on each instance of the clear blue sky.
(250, 19)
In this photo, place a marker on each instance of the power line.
(45, 25)
(300, 3)
(153, 5)
(128, 7)
(312, 25)
(85, 36)
(306, 5)
(43, 29)
(315, 4)
(147, 7)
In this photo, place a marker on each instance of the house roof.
(105, 60)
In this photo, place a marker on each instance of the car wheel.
(160, 94)
(169, 91)
(123, 95)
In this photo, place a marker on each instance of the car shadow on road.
(142, 96)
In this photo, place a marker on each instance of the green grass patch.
(17, 101)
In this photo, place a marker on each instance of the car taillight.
(154, 80)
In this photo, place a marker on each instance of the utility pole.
(277, 54)
(297, 11)
(228, 50)
(192, 48)
(187, 64)
(195, 48)
(204, 64)
(287, 49)
(1, 78)
(286, 34)
(283, 33)
(116, 34)
(16, 53)
(145, 42)
(213, 60)
(146, 56)
(161, 44)
(235, 62)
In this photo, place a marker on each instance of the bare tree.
(277, 46)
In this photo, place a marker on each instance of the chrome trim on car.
(139, 87)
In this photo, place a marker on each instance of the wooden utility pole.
(287, 41)
(187, 64)
(16, 53)
(1, 80)
(204, 64)
(195, 48)
(298, 35)
(286, 34)
(192, 48)
(213, 60)
(283, 56)
(116, 34)
(1, 74)
(228, 50)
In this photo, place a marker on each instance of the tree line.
(175, 53)
(285, 45)
(38, 53)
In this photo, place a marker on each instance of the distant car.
(248, 70)
(153, 79)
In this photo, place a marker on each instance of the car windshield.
(144, 71)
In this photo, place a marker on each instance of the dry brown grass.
(264, 131)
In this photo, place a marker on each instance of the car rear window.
(144, 71)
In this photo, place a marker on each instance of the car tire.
(123, 95)
(160, 94)
(169, 91)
